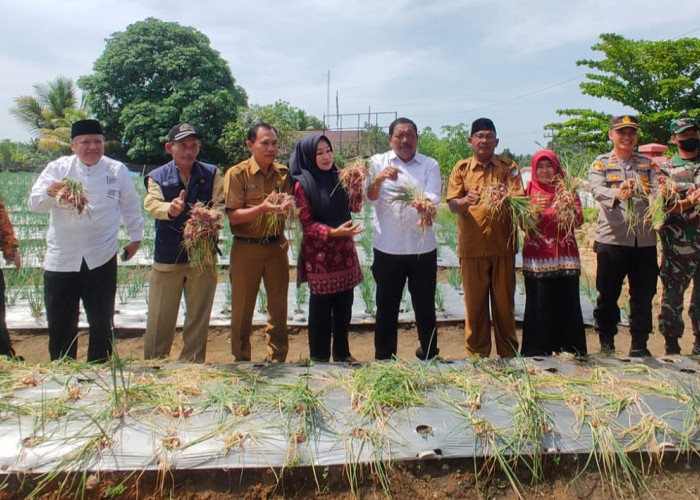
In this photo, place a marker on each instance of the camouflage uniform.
(680, 254)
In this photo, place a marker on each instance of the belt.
(259, 241)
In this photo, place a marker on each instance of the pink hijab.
(535, 187)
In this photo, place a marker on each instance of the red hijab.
(535, 187)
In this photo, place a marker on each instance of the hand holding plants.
(626, 190)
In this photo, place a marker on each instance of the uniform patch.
(613, 177)
(597, 165)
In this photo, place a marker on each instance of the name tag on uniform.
(251, 186)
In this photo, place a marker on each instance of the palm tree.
(50, 113)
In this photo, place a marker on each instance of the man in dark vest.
(172, 191)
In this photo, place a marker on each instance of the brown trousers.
(493, 278)
(164, 294)
(251, 262)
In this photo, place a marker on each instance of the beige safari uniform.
(245, 186)
(487, 257)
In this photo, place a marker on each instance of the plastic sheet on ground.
(147, 417)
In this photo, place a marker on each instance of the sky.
(437, 62)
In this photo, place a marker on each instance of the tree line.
(156, 73)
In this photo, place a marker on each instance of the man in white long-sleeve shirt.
(82, 240)
(403, 251)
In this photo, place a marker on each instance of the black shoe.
(672, 346)
(420, 354)
(607, 343)
(640, 353)
(638, 349)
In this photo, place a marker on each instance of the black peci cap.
(84, 127)
(482, 124)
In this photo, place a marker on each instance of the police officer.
(680, 237)
(624, 245)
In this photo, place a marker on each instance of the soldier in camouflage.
(680, 236)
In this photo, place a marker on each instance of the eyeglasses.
(484, 137)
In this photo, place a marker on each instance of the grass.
(368, 290)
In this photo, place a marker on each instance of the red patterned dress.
(329, 265)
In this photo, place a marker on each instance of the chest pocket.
(614, 176)
(254, 194)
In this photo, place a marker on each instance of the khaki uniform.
(487, 249)
(255, 256)
(166, 284)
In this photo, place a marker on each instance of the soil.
(425, 479)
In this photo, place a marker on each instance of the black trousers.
(329, 322)
(390, 273)
(62, 295)
(5, 344)
(553, 320)
(641, 268)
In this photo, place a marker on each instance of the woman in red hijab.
(551, 265)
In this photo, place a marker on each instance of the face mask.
(691, 144)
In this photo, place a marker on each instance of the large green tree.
(49, 113)
(447, 149)
(659, 80)
(154, 75)
(288, 120)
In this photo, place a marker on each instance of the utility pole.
(328, 96)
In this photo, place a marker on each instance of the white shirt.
(396, 228)
(71, 237)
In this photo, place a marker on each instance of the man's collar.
(255, 167)
(81, 164)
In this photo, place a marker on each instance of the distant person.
(173, 189)
(403, 251)
(328, 259)
(487, 246)
(623, 249)
(250, 188)
(83, 240)
(10, 250)
(553, 319)
(680, 238)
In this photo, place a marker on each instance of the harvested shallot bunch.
(73, 197)
(285, 209)
(498, 199)
(410, 195)
(201, 235)
(563, 204)
(352, 177)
